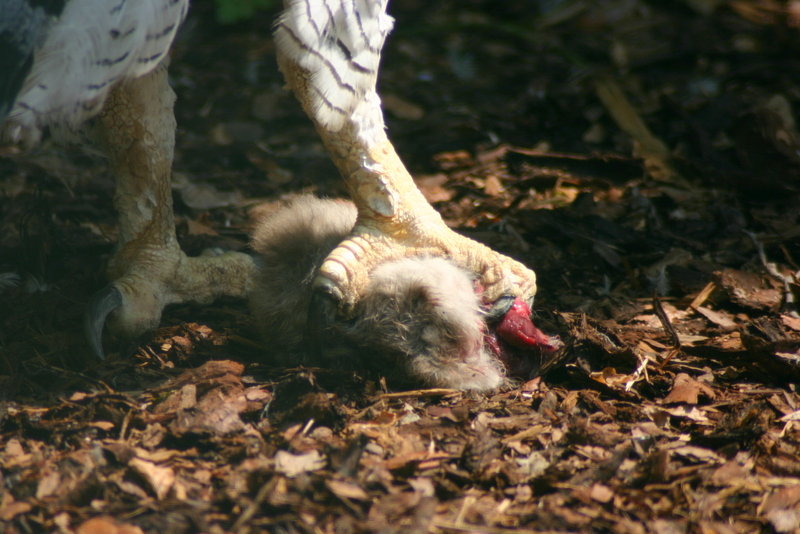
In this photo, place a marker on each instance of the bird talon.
(323, 285)
(100, 306)
(499, 308)
(133, 303)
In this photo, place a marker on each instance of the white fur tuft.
(448, 350)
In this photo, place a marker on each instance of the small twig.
(252, 509)
(436, 392)
(703, 295)
(668, 328)
(772, 269)
(640, 370)
(125, 423)
(75, 375)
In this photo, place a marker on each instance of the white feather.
(339, 43)
(93, 45)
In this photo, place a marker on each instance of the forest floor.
(641, 156)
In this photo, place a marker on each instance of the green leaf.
(230, 11)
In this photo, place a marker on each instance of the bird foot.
(345, 273)
(146, 280)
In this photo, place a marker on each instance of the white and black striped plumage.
(23, 25)
(339, 43)
(64, 56)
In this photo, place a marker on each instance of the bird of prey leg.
(329, 53)
(67, 62)
(75, 60)
(149, 270)
(419, 320)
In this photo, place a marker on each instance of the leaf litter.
(651, 181)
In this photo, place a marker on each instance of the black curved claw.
(499, 309)
(102, 303)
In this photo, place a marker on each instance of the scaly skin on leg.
(394, 219)
(149, 270)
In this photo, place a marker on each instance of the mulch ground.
(641, 156)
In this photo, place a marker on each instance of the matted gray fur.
(419, 321)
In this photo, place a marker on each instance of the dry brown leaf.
(601, 493)
(14, 448)
(48, 484)
(161, 479)
(719, 318)
(687, 390)
(791, 322)
(198, 228)
(730, 473)
(106, 525)
(346, 490)
(783, 498)
(697, 453)
(9, 508)
(781, 509)
(292, 465)
(492, 186)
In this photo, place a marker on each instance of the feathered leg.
(149, 271)
(329, 52)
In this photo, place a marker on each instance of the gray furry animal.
(419, 320)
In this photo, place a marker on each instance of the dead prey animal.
(420, 320)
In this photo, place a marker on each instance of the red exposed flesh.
(518, 343)
(517, 329)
